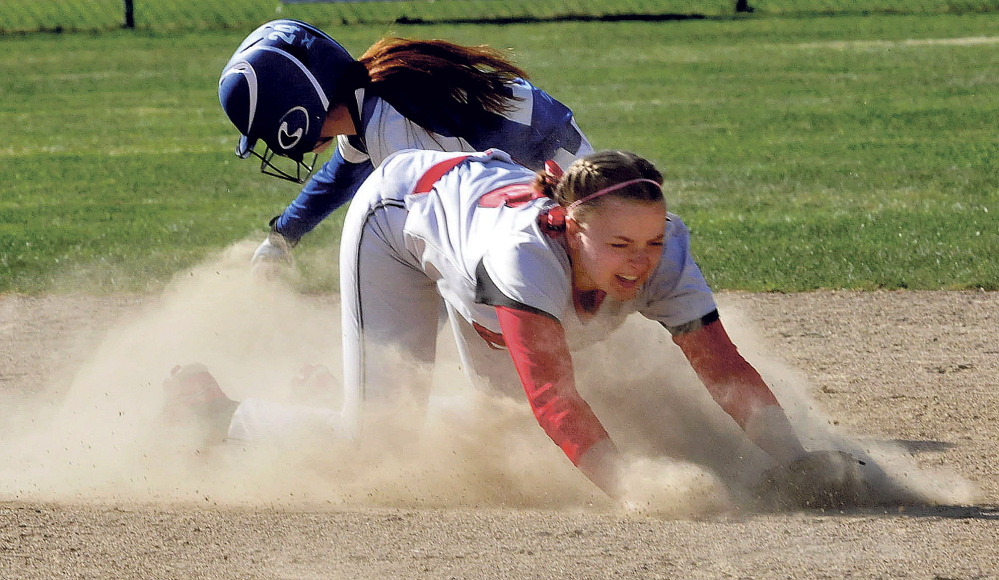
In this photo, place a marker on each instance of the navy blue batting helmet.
(278, 86)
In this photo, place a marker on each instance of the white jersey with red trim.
(461, 232)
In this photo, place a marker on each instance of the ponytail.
(434, 82)
(546, 183)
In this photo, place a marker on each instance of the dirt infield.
(915, 369)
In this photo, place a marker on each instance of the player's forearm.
(771, 431)
(541, 356)
(331, 187)
(306, 211)
(602, 464)
(733, 383)
(739, 389)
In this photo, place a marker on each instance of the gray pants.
(391, 315)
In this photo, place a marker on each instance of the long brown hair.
(445, 82)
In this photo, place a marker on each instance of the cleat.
(315, 385)
(194, 400)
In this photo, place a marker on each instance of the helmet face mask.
(298, 171)
(277, 88)
(271, 164)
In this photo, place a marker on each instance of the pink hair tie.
(611, 188)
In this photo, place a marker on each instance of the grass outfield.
(20, 16)
(831, 152)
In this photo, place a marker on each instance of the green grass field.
(816, 152)
(166, 16)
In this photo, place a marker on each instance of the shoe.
(194, 400)
(315, 385)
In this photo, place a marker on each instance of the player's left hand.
(816, 480)
(273, 255)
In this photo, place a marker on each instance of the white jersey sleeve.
(676, 293)
(531, 273)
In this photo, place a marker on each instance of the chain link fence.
(29, 16)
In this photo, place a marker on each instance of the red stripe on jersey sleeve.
(541, 355)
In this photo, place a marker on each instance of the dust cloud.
(654, 405)
(106, 441)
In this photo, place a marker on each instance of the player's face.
(338, 122)
(617, 247)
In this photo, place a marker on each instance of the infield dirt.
(87, 491)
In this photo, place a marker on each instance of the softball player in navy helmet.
(529, 266)
(297, 90)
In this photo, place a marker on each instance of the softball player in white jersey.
(529, 267)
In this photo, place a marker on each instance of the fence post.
(129, 14)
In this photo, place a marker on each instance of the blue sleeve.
(554, 127)
(333, 185)
(551, 133)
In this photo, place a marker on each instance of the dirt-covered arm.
(738, 388)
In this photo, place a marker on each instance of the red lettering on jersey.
(514, 195)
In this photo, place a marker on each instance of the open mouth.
(627, 281)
